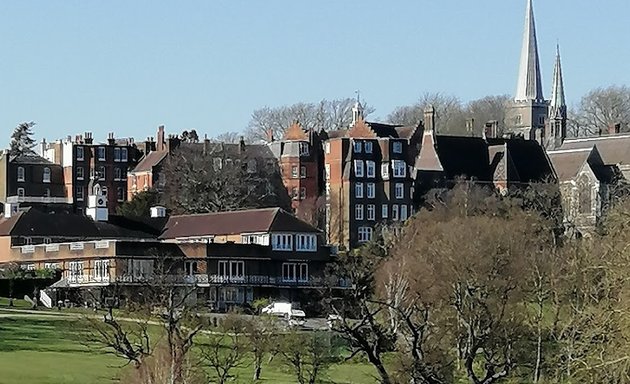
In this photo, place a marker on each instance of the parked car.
(286, 311)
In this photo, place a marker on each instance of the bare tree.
(199, 181)
(602, 108)
(260, 332)
(489, 108)
(309, 355)
(225, 349)
(272, 122)
(449, 110)
(228, 137)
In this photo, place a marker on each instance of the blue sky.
(128, 66)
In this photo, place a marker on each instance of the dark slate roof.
(33, 222)
(235, 222)
(530, 160)
(384, 130)
(568, 163)
(149, 161)
(31, 158)
(464, 156)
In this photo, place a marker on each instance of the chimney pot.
(429, 118)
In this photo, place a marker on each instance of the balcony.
(38, 200)
(276, 281)
(88, 280)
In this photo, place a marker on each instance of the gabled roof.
(149, 161)
(614, 149)
(262, 220)
(31, 158)
(568, 163)
(33, 222)
(367, 129)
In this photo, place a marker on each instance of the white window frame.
(358, 168)
(397, 147)
(47, 193)
(304, 150)
(101, 153)
(385, 171)
(46, 175)
(101, 172)
(306, 242)
(357, 147)
(80, 195)
(100, 272)
(282, 242)
(80, 153)
(75, 271)
(364, 234)
(358, 190)
(327, 171)
(191, 268)
(327, 147)
(395, 216)
(370, 168)
(368, 147)
(399, 190)
(231, 269)
(370, 190)
(294, 171)
(295, 272)
(358, 211)
(81, 174)
(21, 192)
(384, 211)
(116, 154)
(117, 174)
(371, 212)
(21, 174)
(400, 168)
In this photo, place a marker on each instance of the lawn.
(50, 350)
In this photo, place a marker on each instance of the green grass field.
(46, 349)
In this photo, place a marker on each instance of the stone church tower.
(528, 112)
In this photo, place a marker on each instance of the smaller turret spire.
(557, 104)
(357, 110)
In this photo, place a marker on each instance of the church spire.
(557, 104)
(529, 86)
(357, 110)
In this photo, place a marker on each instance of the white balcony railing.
(38, 199)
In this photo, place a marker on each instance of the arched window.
(584, 195)
(46, 176)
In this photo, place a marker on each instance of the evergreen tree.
(22, 141)
(140, 205)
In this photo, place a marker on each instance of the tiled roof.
(233, 223)
(568, 163)
(30, 158)
(149, 161)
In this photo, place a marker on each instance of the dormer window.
(46, 175)
(20, 174)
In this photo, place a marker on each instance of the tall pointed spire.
(357, 110)
(529, 86)
(557, 104)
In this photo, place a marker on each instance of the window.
(303, 149)
(20, 192)
(385, 171)
(124, 154)
(51, 266)
(358, 211)
(397, 147)
(303, 193)
(371, 168)
(47, 240)
(303, 171)
(371, 190)
(233, 269)
(358, 168)
(101, 172)
(79, 193)
(399, 190)
(75, 271)
(368, 147)
(20, 174)
(294, 172)
(191, 268)
(400, 168)
(255, 239)
(28, 240)
(80, 154)
(306, 242)
(117, 173)
(357, 147)
(217, 163)
(327, 147)
(541, 120)
(358, 190)
(327, 188)
(120, 194)
(282, 242)
(101, 270)
(46, 175)
(327, 171)
(518, 119)
(294, 272)
(394, 212)
(101, 153)
(116, 154)
(384, 211)
(47, 192)
(403, 212)
(80, 173)
(295, 193)
(365, 234)
(584, 199)
(371, 212)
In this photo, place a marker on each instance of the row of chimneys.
(88, 139)
(491, 128)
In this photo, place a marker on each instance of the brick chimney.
(470, 126)
(614, 128)
(491, 130)
(160, 145)
(269, 135)
(88, 138)
(429, 118)
(110, 139)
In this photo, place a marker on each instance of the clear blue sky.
(128, 66)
